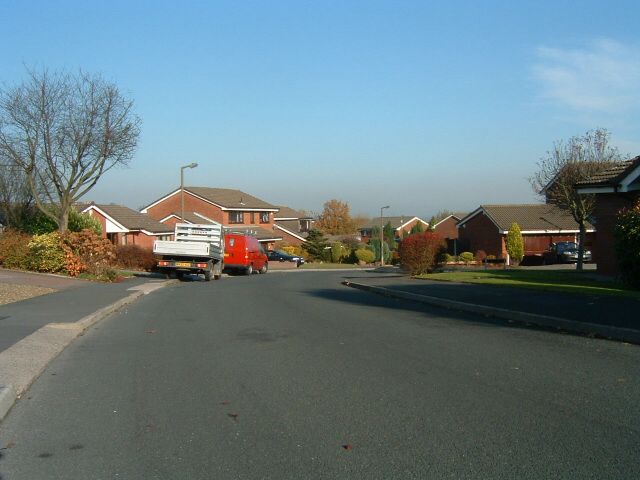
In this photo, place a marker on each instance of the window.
(236, 217)
(264, 217)
(304, 225)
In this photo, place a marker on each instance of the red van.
(244, 253)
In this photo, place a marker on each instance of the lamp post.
(191, 165)
(382, 236)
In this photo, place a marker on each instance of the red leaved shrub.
(88, 252)
(134, 257)
(14, 249)
(419, 252)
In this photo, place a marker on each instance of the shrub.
(338, 252)
(627, 244)
(46, 253)
(419, 252)
(83, 221)
(365, 255)
(375, 245)
(96, 254)
(134, 257)
(14, 249)
(480, 255)
(288, 249)
(448, 258)
(515, 244)
(466, 257)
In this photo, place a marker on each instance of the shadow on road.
(358, 297)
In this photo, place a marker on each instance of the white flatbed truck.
(198, 248)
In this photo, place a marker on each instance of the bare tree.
(65, 131)
(15, 196)
(566, 164)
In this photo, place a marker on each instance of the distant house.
(293, 225)
(124, 226)
(401, 225)
(235, 210)
(447, 228)
(487, 226)
(615, 188)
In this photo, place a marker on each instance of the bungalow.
(124, 226)
(401, 225)
(235, 210)
(487, 226)
(615, 188)
(447, 229)
(293, 225)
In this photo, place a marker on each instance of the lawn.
(554, 280)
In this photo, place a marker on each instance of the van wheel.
(265, 268)
(249, 270)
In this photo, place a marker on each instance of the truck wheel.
(207, 275)
(217, 271)
(264, 268)
(249, 270)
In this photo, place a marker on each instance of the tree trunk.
(581, 239)
(63, 220)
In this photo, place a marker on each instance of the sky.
(419, 105)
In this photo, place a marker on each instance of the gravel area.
(10, 292)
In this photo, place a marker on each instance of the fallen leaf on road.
(348, 446)
(150, 331)
(234, 416)
(225, 402)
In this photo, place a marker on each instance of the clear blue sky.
(415, 104)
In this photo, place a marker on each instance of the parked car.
(244, 253)
(280, 256)
(564, 252)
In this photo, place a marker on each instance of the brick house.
(487, 226)
(447, 228)
(124, 226)
(401, 225)
(293, 225)
(615, 188)
(235, 210)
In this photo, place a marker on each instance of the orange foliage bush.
(419, 252)
(134, 257)
(88, 252)
(14, 249)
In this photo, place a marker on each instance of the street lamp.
(382, 236)
(191, 165)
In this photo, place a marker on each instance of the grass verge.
(556, 281)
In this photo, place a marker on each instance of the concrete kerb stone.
(22, 363)
(613, 333)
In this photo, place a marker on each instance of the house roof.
(291, 227)
(261, 233)
(457, 216)
(290, 213)
(130, 219)
(226, 198)
(396, 222)
(230, 198)
(619, 174)
(531, 218)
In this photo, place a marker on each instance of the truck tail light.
(201, 265)
(163, 263)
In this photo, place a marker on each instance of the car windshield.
(566, 246)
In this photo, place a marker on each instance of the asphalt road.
(293, 376)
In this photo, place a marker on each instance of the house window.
(264, 217)
(236, 217)
(304, 225)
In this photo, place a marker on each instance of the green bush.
(365, 255)
(448, 258)
(515, 244)
(46, 253)
(14, 249)
(338, 252)
(466, 257)
(83, 221)
(627, 244)
(375, 245)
